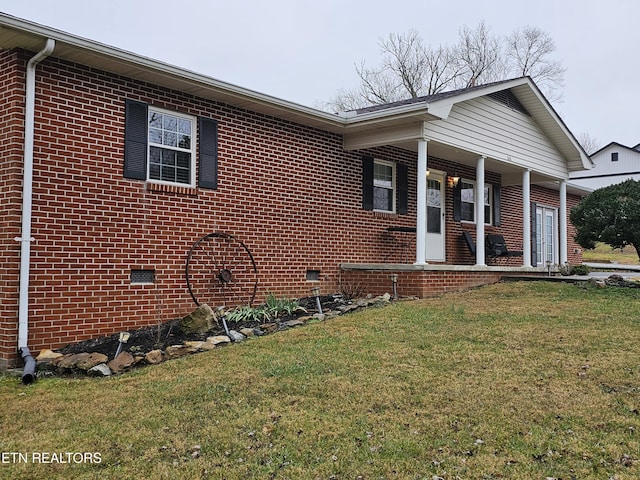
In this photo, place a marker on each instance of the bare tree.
(404, 56)
(588, 142)
(529, 52)
(478, 52)
(444, 69)
(408, 68)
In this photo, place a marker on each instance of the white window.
(468, 202)
(171, 148)
(384, 181)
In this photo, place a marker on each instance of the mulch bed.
(160, 336)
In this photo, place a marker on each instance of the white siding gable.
(487, 127)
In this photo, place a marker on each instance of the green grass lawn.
(605, 254)
(512, 381)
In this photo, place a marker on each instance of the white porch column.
(563, 222)
(526, 218)
(480, 211)
(421, 220)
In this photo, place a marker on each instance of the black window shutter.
(367, 183)
(534, 227)
(208, 168)
(457, 202)
(496, 204)
(135, 139)
(403, 189)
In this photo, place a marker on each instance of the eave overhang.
(18, 33)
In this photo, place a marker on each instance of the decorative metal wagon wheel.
(221, 272)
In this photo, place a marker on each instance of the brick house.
(115, 165)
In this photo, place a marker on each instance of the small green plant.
(273, 308)
(245, 313)
(277, 306)
(581, 269)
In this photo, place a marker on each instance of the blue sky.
(305, 51)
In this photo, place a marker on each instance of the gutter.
(28, 374)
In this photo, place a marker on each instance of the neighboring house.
(114, 165)
(613, 163)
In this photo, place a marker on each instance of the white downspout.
(27, 193)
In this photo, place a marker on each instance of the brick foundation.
(422, 281)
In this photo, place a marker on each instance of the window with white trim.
(384, 181)
(468, 202)
(171, 148)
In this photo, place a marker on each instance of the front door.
(435, 217)
(546, 236)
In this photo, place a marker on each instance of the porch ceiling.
(511, 174)
(407, 136)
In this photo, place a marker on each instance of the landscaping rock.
(200, 346)
(616, 280)
(236, 336)
(597, 282)
(154, 357)
(69, 361)
(269, 327)
(47, 355)
(100, 370)
(201, 320)
(293, 323)
(91, 360)
(348, 307)
(123, 361)
(219, 339)
(248, 332)
(175, 351)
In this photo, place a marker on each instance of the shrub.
(349, 291)
(580, 269)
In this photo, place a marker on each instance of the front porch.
(425, 280)
(489, 161)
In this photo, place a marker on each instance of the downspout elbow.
(29, 370)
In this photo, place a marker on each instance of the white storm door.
(435, 217)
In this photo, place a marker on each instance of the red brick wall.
(289, 192)
(11, 147)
